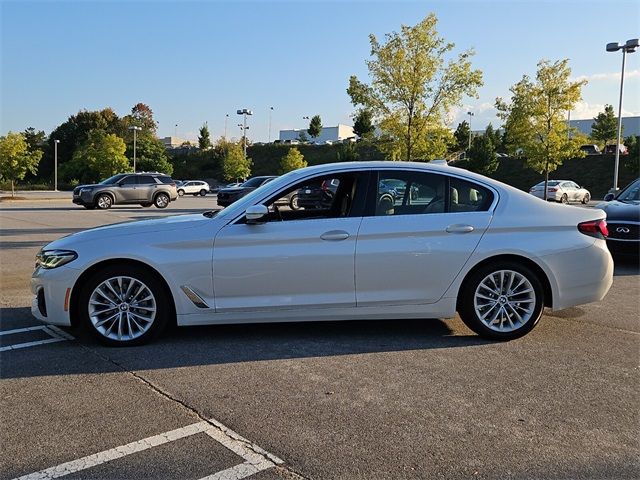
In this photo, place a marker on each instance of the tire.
(203, 192)
(180, 193)
(104, 201)
(586, 198)
(146, 204)
(89, 206)
(484, 291)
(161, 200)
(564, 198)
(293, 203)
(118, 321)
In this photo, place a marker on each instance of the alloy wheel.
(504, 301)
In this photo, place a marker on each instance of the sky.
(197, 61)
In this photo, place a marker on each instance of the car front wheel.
(564, 198)
(161, 200)
(180, 193)
(104, 202)
(123, 306)
(293, 204)
(586, 198)
(203, 192)
(502, 301)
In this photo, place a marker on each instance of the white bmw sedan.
(454, 241)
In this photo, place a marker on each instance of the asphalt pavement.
(369, 399)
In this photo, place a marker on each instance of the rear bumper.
(582, 276)
(626, 248)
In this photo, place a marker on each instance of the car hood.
(160, 225)
(92, 185)
(235, 190)
(621, 211)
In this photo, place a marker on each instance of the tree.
(462, 135)
(347, 152)
(293, 160)
(35, 139)
(495, 137)
(103, 154)
(204, 140)
(363, 123)
(632, 160)
(413, 88)
(142, 116)
(234, 164)
(16, 159)
(482, 155)
(535, 119)
(302, 137)
(315, 126)
(151, 156)
(605, 126)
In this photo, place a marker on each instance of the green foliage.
(103, 154)
(347, 152)
(412, 89)
(151, 155)
(234, 164)
(142, 116)
(605, 126)
(315, 126)
(363, 124)
(293, 160)
(495, 137)
(204, 139)
(302, 136)
(16, 159)
(462, 135)
(35, 139)
(482, 155)
(535, 119)
(632, 160)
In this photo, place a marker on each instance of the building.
(328, 134)
(172, 142)
(630, 126)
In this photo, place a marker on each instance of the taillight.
(594, 228)
(552, 189)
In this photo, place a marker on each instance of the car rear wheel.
(501, 301)
(123, 306)
(104, 202)
(161, 200)
(203, 192)
(564, 198)
(180, 193)
(586, 198)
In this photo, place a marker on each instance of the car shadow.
(226, 344)
(626, 267)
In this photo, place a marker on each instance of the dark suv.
(226, 196)
(142, 188)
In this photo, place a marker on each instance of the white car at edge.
(193, 187)
(464, 243)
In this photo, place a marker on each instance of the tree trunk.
(13, 191)
(546, 180)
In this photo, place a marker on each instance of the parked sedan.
(623, 218)
(564, 191)
(464, 245)
(226, 196)
(193, 187)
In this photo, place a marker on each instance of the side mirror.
(609, 196)
(255, 213)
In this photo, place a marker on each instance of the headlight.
(84, 190)
(54, 258)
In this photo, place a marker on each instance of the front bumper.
(51, 290)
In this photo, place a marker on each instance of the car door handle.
(459, 228)
(334, 235)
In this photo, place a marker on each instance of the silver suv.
(142, 188)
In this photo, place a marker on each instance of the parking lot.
(384, 399)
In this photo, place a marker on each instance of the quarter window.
(468, 197)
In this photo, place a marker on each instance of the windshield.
(631, 193)
(551, 183)
(253, 182)
(112, 180)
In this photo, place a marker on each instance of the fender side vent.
(194, 297)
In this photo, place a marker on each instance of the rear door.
(147, 187)
(409, 250)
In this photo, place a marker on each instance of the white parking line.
(256, 459)
(56, 334)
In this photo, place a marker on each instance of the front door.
(127, 190)
(292, 259)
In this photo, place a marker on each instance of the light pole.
(135, 129)
(226, 119)
(628, 47)
(470, 115)
(270, 112)
(244, 112)
(55, 164)
(175, 130)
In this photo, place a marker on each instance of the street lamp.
(629, 47)
(55, 164)
(270, 112)
(244, 112)
(470, 115)
(135, 129)
(226, 119)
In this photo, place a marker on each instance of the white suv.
(193, 187)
